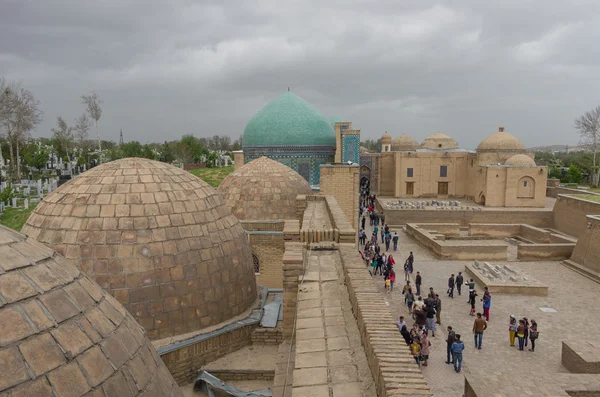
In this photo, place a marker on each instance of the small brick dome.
(263, 189)
(520, 160)
(439, 141)
(156, 237)
(386, 139)
(404, 142)
(59, 331)
(501, 142)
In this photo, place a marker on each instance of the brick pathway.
(572, 295)
(329, 361)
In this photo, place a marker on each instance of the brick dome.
(59, 331)
(263, 189)
(404, 142)
(158, 238)
(386, 138)
(520, 160)
(501, 142)
(439, 141)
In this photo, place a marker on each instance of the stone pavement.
(329, 359)
(570, 294)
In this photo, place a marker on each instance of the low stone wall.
(293, 266)
(550, 252)
(552, 191)
(494, 229)
(455, 250)
(267, 336)
(570, 214)
(581, 357)
(263, 226)
(346, 233)
(540, 218)
(243, 374)
(184, 362)
(393, 368)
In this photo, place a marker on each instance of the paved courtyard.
(573, 296)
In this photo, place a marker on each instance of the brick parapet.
(293, 261)
(393, 368)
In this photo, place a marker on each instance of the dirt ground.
(249, 357)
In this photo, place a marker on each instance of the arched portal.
(526, 188)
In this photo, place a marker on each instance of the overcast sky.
(167, 68)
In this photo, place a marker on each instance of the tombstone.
(14, 202)
(26, 204)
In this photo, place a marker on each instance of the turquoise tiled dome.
(288, 121)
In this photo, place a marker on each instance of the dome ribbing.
(61, 335)
(263, 189)
(158, 238)
(288, 121)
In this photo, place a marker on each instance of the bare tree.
(94, 109)
(588, 127)
(82, 126)
(62, 137)
(19, 114)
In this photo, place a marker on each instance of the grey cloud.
(205, 67)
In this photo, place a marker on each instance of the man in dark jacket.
(418, 282)
(459, 282)
(449, 342)
(451, 286)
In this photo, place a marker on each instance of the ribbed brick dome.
(501, 141)
(158, 238)
(61, 335)
(386, 138)
(404, 142)
(520, 160)
(263, 189)
(439, 141)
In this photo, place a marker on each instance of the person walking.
(379, 265)
(472, 298)
(512, 329)
(405, 334)
(457, 353)
(430, 315)
(418, 282)
(388, 239)
(533, 334)
(410, 260)
(392, 277)
(438, 309)
(449, 342)
(400, 323)
(479, 326)
(410, 299)
(451, 286)
(459, 282)
(382, 235)
(395, 241)
(487, 302)
(362, 222)
(521, 334)
(415, 349)
(425, 344)
(387, 283)
(471, 285)
(526, 333)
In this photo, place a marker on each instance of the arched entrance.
(481, 198)
(365, 185)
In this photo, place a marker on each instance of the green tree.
(574, 175)
(62, 137)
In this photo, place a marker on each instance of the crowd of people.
(426, 312)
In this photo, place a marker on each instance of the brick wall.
(342, 182)
(269, 250)
(245, 374)
(184, 363)
(293, 262)
(541, 218)
(268, 336)
(393, 368)
(587, 249)
(570, 214)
